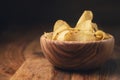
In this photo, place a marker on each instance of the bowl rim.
(77, 42)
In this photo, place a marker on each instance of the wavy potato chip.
(61, 35)
(86, 26)
(47, 35)
(87, 15)
(70, 36)
(86, 36)
(60, 23)
(100, 35)
(94, 26)
(59, 26)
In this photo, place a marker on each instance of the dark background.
(35, 12)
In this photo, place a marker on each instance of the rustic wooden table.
(21, 58)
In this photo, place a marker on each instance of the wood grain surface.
(21, 58)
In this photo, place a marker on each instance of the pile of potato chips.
(85, 30)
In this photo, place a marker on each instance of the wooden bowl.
(76, 55)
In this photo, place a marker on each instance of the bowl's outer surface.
(76, 55)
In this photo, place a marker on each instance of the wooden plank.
(37, 67)
(13, 43)
(40, 69)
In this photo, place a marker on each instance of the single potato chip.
(86, 36)
(59, 26)
(47, 35)
(87, 15)
(61, 35)
(94, 26)
(60, 23)
(86, 26)
(100, 35)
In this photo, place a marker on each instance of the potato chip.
(61, 35)
(47, 35)
(59, 26)
(87, 15)
(100, 35)
(94, 26)
(60, 23)
(70, 36)
(86, 36)
(86, 26)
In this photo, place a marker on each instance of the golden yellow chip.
(100, 35)
(87, 15)
(47, 35)
(86, 26)
(94, 26)
(60, 23)
(59, 26)
(61, 35)
(84, 36)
